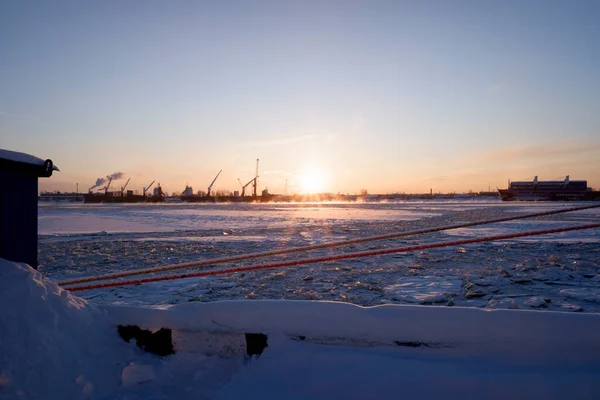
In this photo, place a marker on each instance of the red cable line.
(335, 258)
(215, 261)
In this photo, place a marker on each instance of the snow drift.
(52, 344)
(56, 345)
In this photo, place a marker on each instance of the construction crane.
(255, 178)
(253, 181)
(148, 188)
(246, 185)
(123, 187)
(108, 185)
(212, 183)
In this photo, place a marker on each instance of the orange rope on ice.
(223, 260)
(335, 258)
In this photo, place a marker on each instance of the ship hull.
(102, 198)
(533, 195)
(227, 199)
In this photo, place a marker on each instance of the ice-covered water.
(558, 272)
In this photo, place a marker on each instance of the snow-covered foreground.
(553, 272)
(55, 345)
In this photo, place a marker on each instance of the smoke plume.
(99, 181)
(116, 176)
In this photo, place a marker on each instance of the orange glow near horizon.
(312, 181)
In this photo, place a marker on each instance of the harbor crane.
(123, 187)
(246, 185)
(108, 185)
(212, 183)
(148, 188)
(255, 179)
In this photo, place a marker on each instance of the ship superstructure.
(566, 189)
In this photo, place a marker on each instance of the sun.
(312, 181)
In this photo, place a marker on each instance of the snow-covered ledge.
(511, 335)
(56, 344)
(22, 160)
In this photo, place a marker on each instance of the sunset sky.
(334, 96)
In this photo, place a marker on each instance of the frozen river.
(556, 272)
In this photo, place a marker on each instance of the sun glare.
(312, 181)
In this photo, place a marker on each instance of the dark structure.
(566, 190)
(127, 197)
(256, 343)
(19, 205)
(159, 343)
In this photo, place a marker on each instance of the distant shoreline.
(308, 198)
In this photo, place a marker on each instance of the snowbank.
(56, 345)
(325, 350)
(513, 336)
(52, 344)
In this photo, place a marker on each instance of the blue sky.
(388, 96)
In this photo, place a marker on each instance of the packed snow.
(56, 345)
(558, 272)
(20, 157)
(23, 158)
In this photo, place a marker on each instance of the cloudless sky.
(387, 96)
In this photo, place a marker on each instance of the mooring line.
(334, 258)
(214, 261)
